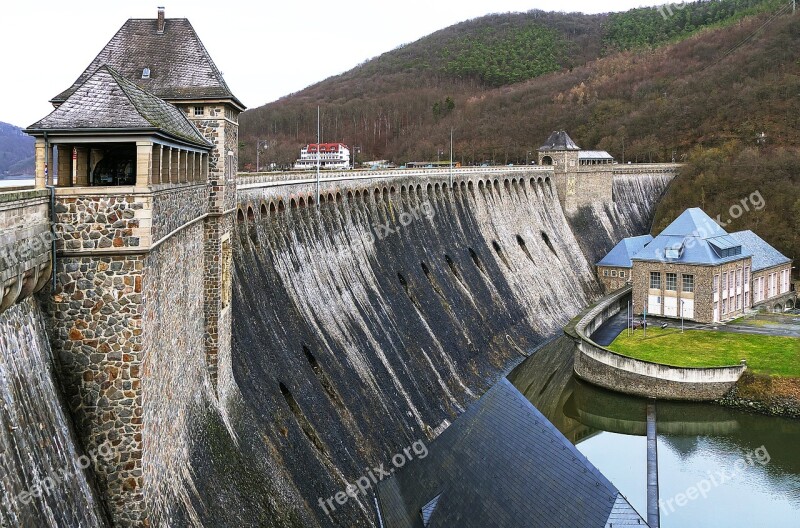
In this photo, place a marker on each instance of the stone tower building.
(582, 177)
(144, 144)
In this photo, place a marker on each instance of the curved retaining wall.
(608, 369)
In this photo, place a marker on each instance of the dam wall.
(25, 245)
(45, 478)
(372, 322)
(358, 328)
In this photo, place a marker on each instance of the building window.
(747, 275)
(739, 302)
(605, 273)
(747, 299)
(688, 283)
(739, 278)
(622, 274)
(716, 284)
(198, 110)
(724, 306)
(672, 281)
(613, 273)
(725, 284)
(655, 280)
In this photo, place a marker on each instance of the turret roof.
(107, 101)
(179, 66)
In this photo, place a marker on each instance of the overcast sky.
(264, 49)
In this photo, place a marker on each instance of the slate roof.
(106, 101)
(620, 255)
(764, 255)
(559, 140)
(696, 237)
(502, 464)
(180, 67)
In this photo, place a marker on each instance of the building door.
(688, 309)
(654, 305)
(671, 306)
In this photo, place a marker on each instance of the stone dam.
(360, 323)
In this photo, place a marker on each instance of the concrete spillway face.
(42, 472)
(367, 323)
(364, 325)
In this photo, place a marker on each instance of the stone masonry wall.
(703, 285)
(101, 222)
(95, 319)
(107, 221)
(172, 208)
(588, 185)
(25, 244)
(219, 124)
(612, 278)
(768, 302)
(174, 377)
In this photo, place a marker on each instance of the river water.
(718, 467)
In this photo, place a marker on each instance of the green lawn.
(779, 356)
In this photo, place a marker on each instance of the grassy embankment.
(773, 362)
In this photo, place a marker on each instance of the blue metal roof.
(694, 222)
(620, 255)
(693, 238)
(764, 255)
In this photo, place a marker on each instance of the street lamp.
(261, 143)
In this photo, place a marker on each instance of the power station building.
(696, 270)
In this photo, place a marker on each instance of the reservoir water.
(16, 181)
(718, 467)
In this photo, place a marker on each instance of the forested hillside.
(716, 78)
(504, 80)
(16, 151)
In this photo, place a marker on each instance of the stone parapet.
(25, 245)
(116, 220)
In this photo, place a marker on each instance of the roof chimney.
(160, 20)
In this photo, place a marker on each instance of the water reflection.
(699, 444)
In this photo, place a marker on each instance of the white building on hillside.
(329, 156)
